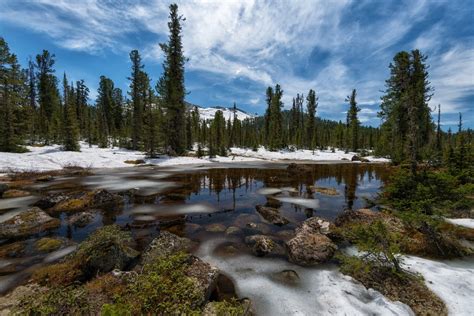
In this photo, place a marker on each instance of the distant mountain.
(210, 112)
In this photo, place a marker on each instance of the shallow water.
(201, 203)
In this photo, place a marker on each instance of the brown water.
(198, 202)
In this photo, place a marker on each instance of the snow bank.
(53, 158)
(302, 154)
(452, 281)
(466, 222)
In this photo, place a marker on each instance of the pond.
(216, 208)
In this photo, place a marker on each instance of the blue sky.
(238, 48)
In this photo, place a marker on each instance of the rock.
(86, 200)
(81, 219)
(45, 178)
(367, 216)
(356, 158)
(262, 245)
(206, 276)
(29, 222)
(135, 162)
(315, 225)
(224, 308)
(10, 301)
(3, 187)
(243, 219)
(259, 228)
(164, 245)
(325, 191)
(50, 200)
(215, 228)
(106, 249)
(47, 244)
(272, 215)
(288, 277)
(225, 288)
(15, 194)
(308, 249)
(232, 230)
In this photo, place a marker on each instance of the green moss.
(48, 244)
(228, 308)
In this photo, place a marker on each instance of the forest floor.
(53, 158)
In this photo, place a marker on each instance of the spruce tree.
(70, 127)
(353, 122)
(312, 104)
(137, 86)
(48, 97)
(11, 85)
(171, 85)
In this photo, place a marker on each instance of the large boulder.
(106, 249)
(272, 215)
(263, 245)
(206, 277)
(315, 225)
(29, 222)
(308, 249)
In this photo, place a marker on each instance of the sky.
(238, 48)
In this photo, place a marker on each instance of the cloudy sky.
(238, 48)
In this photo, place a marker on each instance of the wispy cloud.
(329, 46)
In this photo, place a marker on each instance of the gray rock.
(165, 245)
(81, 219)
(263, 245)
(308, 249)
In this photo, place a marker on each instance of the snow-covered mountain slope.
(210, 112)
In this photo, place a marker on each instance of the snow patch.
(466, 222)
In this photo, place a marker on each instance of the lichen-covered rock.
(315, 225)
(272, 215)
(206, 276)
(164, 245)
(232, 230)
(308, 249)
(29, 222)
(263, 245)
(81, 219)
(79, 201)
(10, 301)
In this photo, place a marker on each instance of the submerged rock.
(288, 277)
(263, 245)
(81, 219)
(29, 222)
(232, 230)
(216, 228)
(272, 215)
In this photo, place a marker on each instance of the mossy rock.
(29, 222)
(106, 249)
(13, 193)
(47, 244)
(228, 308)
(86, 200)
(13, 250)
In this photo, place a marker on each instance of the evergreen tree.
(11, 85)
(353, 123)
(70, 127)
(312, 104)
(105, 106)
(274, 119)
(137, 86)
(48, 97)
(171, 85)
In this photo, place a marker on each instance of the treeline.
(38, 108)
